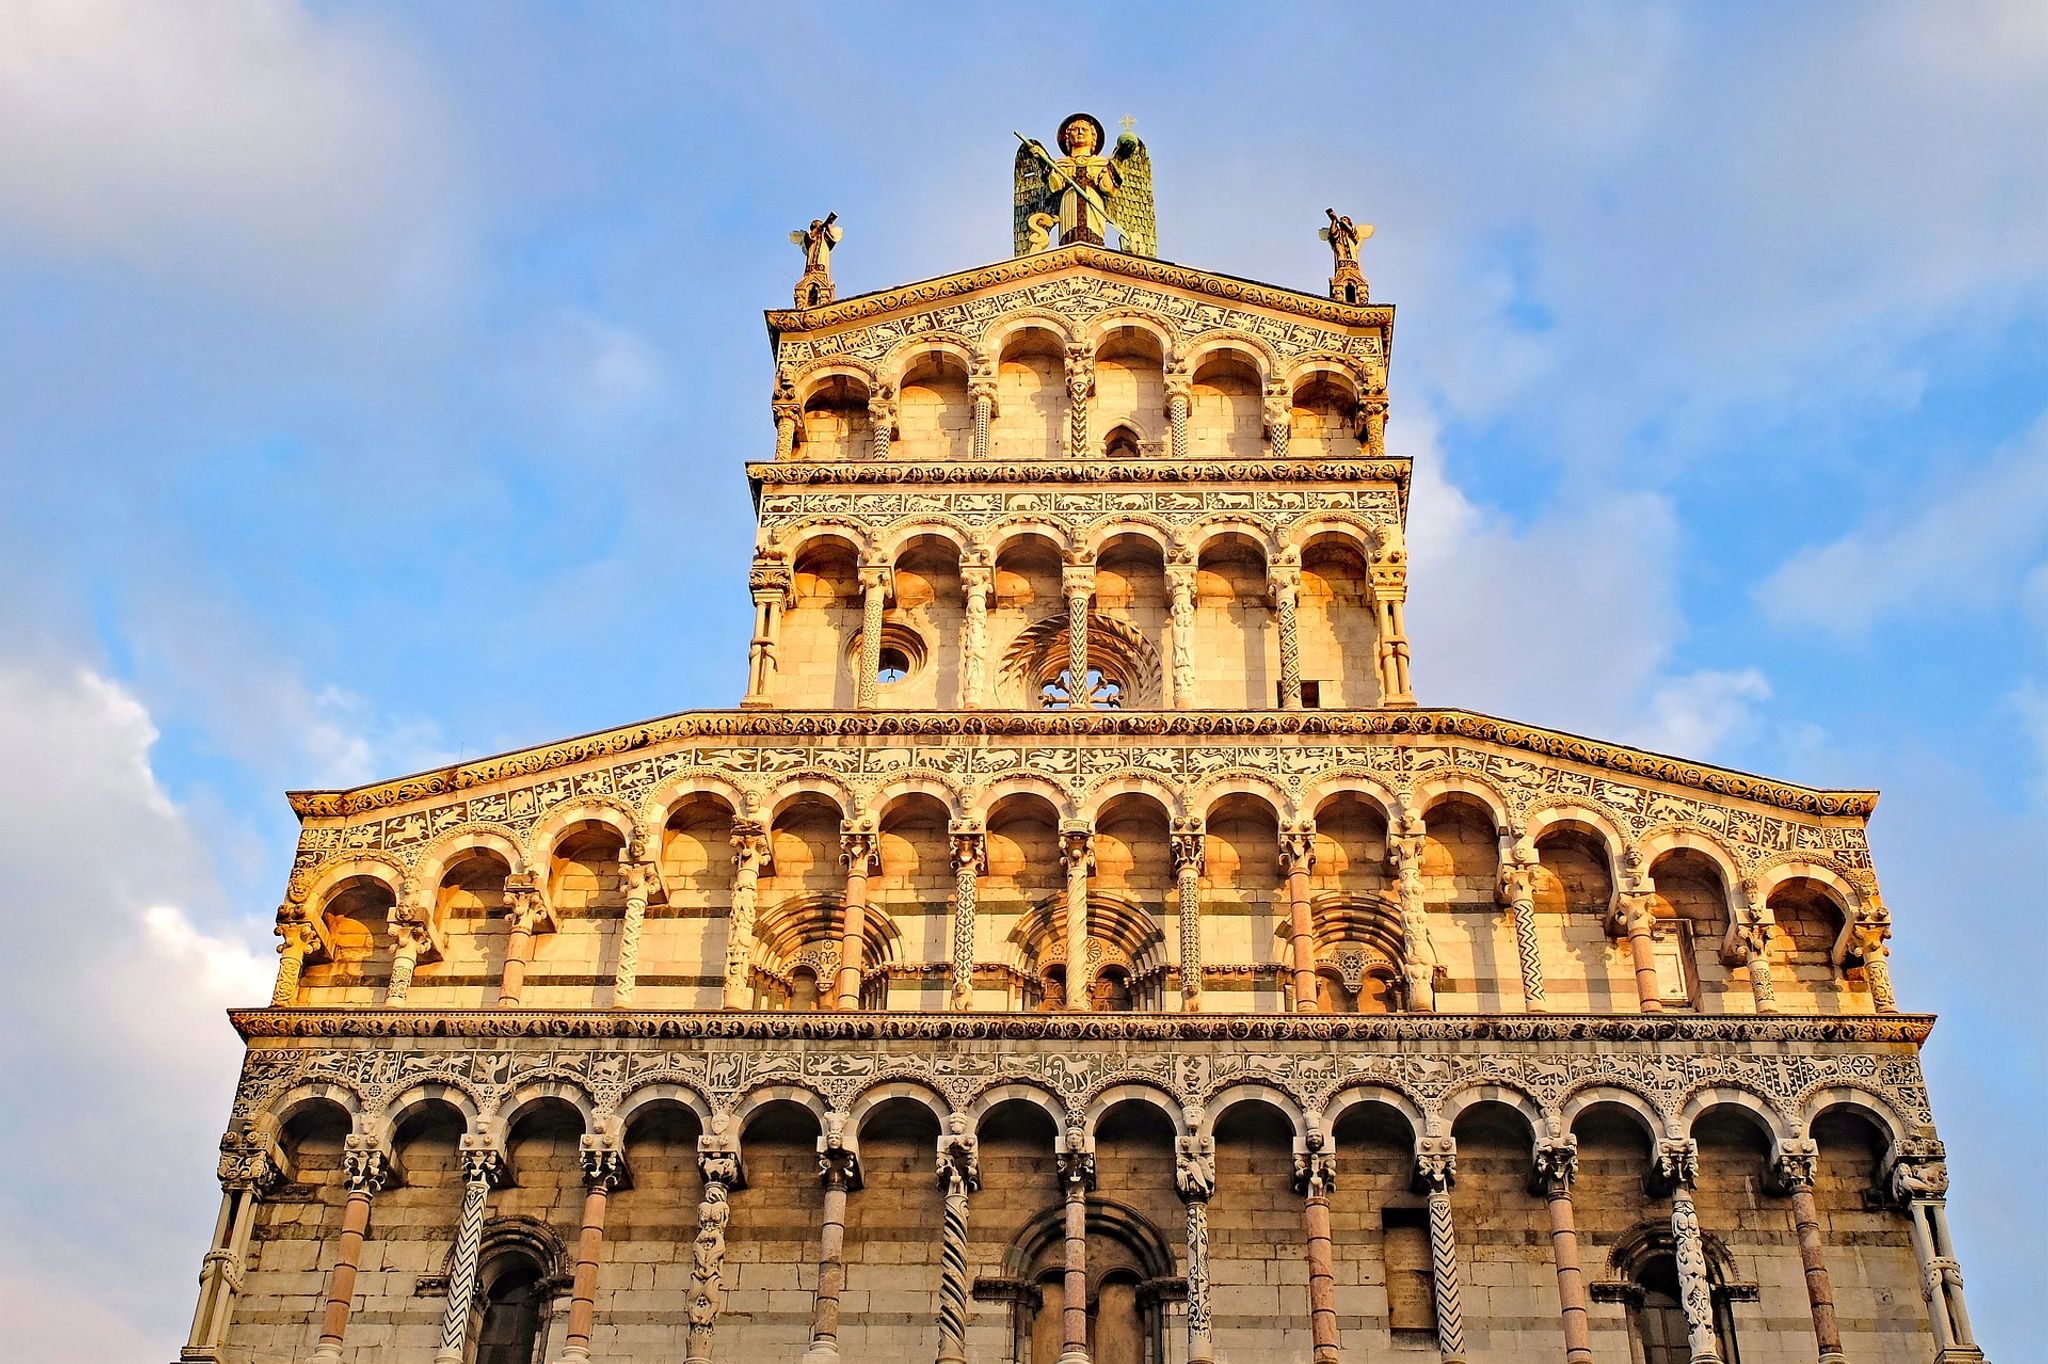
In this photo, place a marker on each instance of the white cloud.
(116, 1053)
(1957, 542)
(1697, 712)
(237, 142)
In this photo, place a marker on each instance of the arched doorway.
(1131, 1283)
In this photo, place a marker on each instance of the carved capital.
(970, 846)
(1077, 845)
(1298, 847)
(526, 908)
(1797, 1165)
(482, 1162)
(1556, 1164)
(718, 1157)
(749, 846)
(877, 577)
(770, 580)
(603, 1162)
(1187, 839)
(1436, 1162)
(1919, 1171)
(1315, 1173)
(959, 1160)
(365, 1166)
(1676, 1163)
(248, 1162)
(859, 846)
(1076, 1165)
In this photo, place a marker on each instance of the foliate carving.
(247, 1164)
(1556, 1161)
(1194, 1167)
(1315, 1173)
(858, 848)
(1797, 1165)
(1920, 1171)
(1677, 1163)
(1143, 472)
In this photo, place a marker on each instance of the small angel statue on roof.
(815, 290)
(1084, 192)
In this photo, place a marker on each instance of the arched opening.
(1025, 876)
(1228, 421)
(1031, 395)
(892, 1245)
(801, 894)
(1460, 880)
(514, 1306)
(1130, 392)
(1134, 865)
(358, 965)
(935, 416)
(915, 887)
(928, 610)
(775, 1222)
(693, 925)
(1358, 924)
(1255, 1221)
(470, 896)
(1810, 922)
(1573, 884)
(1324, 423)
(1691, 906)
(836, 424)
(1234, 632)
(588, 896)
(820, 623)
(1337, 623)
(1244, 908)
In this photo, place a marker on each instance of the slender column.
(840, 1170)
(718, 1160)
(977, 581)
(1278, 411)
(1518, 892)
(1077, 1177)
(769, 581)
(1557, 1163)
(1180, 397)
(1187, 840)
(1194, 1175)
(1868, 936)
(526, 913)
(1180, 581)
(411, 940)
(874, 595)
(1919, 1181)
(749, 856)
(1387, 571)
(1297, 857)
(1794, 1173)
(981, 388)
(970, 859)
(1315, 1174)
(1078, 581)
(482, 1169)
(882, 419)
(1419, 959)
(1080, 382)
(604, 1169)
(959, 1176)
(1678, 1167)
(248, 1171)
(299, 939)
(1284, 586)
(1077, 852)
(641, 879)
(1436, 1169)
(1636, 918)
(1750, 943)
(857, 855)
(366, 1170)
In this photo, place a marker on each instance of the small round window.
(895, 666)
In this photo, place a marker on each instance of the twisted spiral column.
(959, 1176)
(1195, 1179)
(640, 878)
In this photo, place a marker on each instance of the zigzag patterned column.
(1436, 1168)
(482, 1168)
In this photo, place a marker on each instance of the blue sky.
(375, 380)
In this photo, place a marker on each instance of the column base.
(755, 703)
(822, 1352)
(574, 1354)
(1960, 1354)
(325, 1354)
(1073, 1357)
(448, 1357)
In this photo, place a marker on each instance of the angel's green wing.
(1032, 196)
(1131, 209)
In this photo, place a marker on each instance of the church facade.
(1079, 944)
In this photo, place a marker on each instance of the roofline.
(1386, 722)
(938, 288)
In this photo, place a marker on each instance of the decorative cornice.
(827, 724)
(1394, 469)
(1860, 1029)
(925, 293)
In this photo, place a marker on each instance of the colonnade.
(771, 582)
(1917, 1181)
(1632, 918)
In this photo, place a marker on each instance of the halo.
(1091, 121)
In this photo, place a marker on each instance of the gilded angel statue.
(1083, 192)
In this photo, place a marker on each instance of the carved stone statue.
(1084, 191)
(1347, 281)
(815, 289)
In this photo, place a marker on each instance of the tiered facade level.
(1079, 945)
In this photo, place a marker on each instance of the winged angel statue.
(1083, 193)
